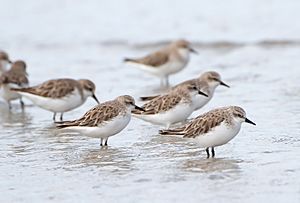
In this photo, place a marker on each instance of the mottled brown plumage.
(98, 115)
(194, 82)
(204, 123)
(16, 75)
(202, 82)
(56, 88)
(4, 56)
(212, 129)
(162, 56)
(166, 102)
(102, 113)
(166, 61)
(104, 120)
(155, 59)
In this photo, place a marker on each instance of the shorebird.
(59, 95)
(174, 107)
(214, 128)
(104, 120)
(166, 61)
(206, 82)
(15, 77)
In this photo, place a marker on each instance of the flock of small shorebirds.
(211, 129)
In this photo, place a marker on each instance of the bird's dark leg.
(207, 152)
(213, 152)
(54, 115)
(106, 142)
(101, 141)
(9, 105)
(61, 116)
(22, 104)
(167, 81)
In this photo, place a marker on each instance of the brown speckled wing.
(202, 85)
(187, 82)
(202, 125)
(11, 77)
(95, 116)
(155, 59)
(159, 104)
(198, 126)
(54, 88)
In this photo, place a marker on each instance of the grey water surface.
(261, 164)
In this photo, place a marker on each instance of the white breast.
(9, 95)
(184, 54)
(199, 101)
(63, 104)
(176, 64)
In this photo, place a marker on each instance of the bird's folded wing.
(18, 79)
(159, 104)
(95, 116)
(53, 88)
(155, 59)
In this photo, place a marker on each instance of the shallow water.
(260, 164)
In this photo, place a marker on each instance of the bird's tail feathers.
(176, 131)
(129, 60)
(148, 98)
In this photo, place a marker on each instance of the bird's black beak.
(94, 97)
(138, 108)
(248, 121)
(193, 51)
(202, 93)
(224, 84)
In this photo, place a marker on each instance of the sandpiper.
(174, 107)
(104, 120)
(206, 82)
(212, 129)
(166, 61)
(59, 95)
(15, 77)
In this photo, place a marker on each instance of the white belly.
(220, 135)
(9, 95)
(105, 130)
(172, 67)
(169, 68)
(199, 101)
(180, 113)
(63, 104)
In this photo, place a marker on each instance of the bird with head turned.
(104, 120)
(15, 77)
